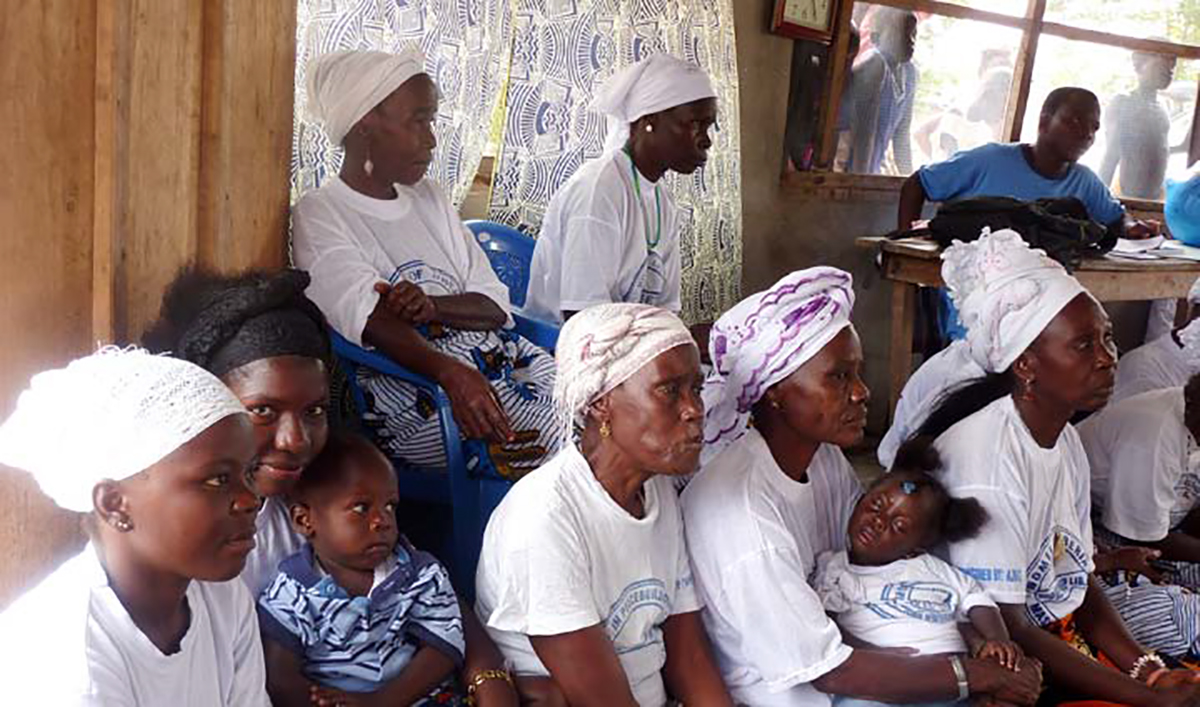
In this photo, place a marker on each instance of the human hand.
(1137, 229)
(407, 301)
(1021, 687)
(1006, 653)
(474, 404)
(1175, 679)
(1131, 559)
(1178, 696)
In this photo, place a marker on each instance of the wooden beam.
(834, 84)
(1194, 141)
(1018, 92)
(1150, 46)
(961, 12)
(109, 166)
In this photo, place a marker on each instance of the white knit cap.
(602, 346)
(345, 86)
(109, 416)
(1006, 294)
(654, 84)
(763, 339)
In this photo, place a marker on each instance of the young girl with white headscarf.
(157, 457)
(777, 493)
(394, 267)
(584, 576)
(1006, 440)
(611, 232)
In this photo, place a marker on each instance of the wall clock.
(805, 19)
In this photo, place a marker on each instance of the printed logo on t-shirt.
(433, 280)
(649, 283)
(932, 602)
(634, 617)
(1056, 575)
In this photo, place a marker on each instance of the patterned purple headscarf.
(763, 339)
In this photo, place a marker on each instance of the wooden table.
(912, 262)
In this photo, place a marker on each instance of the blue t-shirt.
(1000, 169)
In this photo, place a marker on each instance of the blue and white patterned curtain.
(466, 45)
(562, 51)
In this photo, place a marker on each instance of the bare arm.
(868, 79)
(899, 679)
(690, 672)
(483, 655)
(1112, 143)
(912, 200)
(1070, 667)
(474, 403)
(586, 668)
(471, 311)
(286, 683)
(902, 139)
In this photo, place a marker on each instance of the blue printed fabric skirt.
(1162, 617)
(405, 422)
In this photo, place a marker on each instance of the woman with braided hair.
(584, 576)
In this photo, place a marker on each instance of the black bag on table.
(1060, 226)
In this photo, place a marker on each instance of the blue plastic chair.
(451, 486)
(510, 253)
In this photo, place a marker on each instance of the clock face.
(807, 13)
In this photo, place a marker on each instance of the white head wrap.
(602, 346)
(653, 84)
(345, 86)
(1006, 294)
(763, 340)
(109, 416)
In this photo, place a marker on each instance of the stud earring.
(123, 525)
(649, 128)
(775, 405)
(605, 430)
(368, 166)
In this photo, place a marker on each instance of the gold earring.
(605, 430)
(775, 405)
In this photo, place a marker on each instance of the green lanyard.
(637, 188)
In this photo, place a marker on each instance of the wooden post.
(1018, 93)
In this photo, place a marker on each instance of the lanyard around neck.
(637, 190)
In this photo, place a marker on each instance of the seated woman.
(1145, 494)
(611, 232)
(1007, 441)
(777, 494)
(584, 575)
(393, 267)
(268, 343)
(1165, 362)
(155, 456)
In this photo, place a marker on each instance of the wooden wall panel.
(46, 73)
(139, 136)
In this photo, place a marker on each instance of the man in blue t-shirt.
(1048, 168)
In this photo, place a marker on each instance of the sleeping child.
(888, 591)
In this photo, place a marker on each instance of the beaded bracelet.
(1145, 660)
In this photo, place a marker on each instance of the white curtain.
(562, 51)
(466, 44)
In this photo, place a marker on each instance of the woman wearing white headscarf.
(394, 267)
(775, 495)
(611, 232)
(157, 459)
(584, 575)
(1006, 440)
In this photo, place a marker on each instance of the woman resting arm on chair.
(393, 267)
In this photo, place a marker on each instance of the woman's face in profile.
(1073, 361)
(825, 399)
(401, 131)
(657, 417)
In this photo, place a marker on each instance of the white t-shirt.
(944, 370)
(1145, 478)
(274, 539)
(348, 242)
(914, 602)
(1158, 364)
(754, 535)
(594, 244)
(70, 642)
(560, 555)
(1037, 546)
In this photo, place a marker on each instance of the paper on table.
(1126, 245)
(1175, 249)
